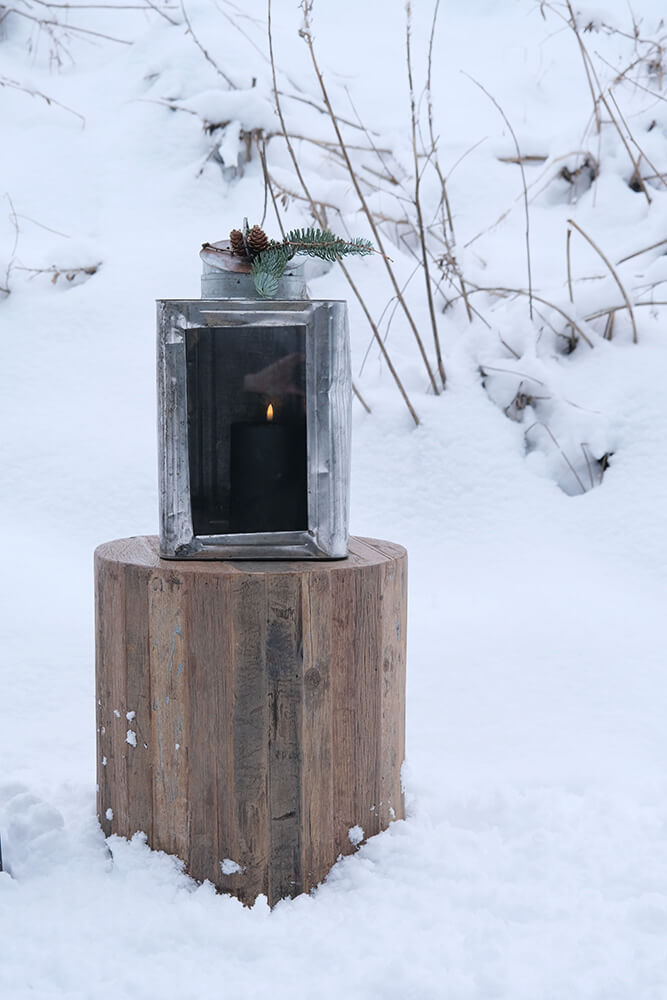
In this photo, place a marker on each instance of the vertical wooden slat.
(284, 669)
(220, 662)
(392, 665)
(214, 834)
(169, 669)
(366, 699)
(317, 729)
(343, 708)
(116, 810)
(250, 726)
(139, 757)
(104, 713)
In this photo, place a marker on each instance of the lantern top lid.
(226, 275)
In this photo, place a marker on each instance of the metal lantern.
(254, 401)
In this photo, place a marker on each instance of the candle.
(268, 475)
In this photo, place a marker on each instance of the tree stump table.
(250, 715)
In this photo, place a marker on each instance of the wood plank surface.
(317, 764)
(284, 669)
(267, 702)
(169, 671)
(250, 724)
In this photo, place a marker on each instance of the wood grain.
(267, 703)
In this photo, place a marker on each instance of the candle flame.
(269, 412)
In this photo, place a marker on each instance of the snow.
(533, 861)
(355, 835)
(229, 867)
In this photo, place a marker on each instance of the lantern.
(254, 401)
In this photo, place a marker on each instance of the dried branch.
(307, 36)
(613, 273)
(613, 309)
(588, 66)
(5, 289)
(230, 83)
(498, 290)
(523, 180)
(635, 162)
(321, 221)
(5, 81)
(47, 23)
(638, 253)
(444, 205)
(657, 173)
(69, 273)
(417, 200)
(361, 398)
(540, 423)
(568, 240)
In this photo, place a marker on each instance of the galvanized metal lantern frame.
(327, 404)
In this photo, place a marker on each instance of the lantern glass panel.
(247, 429)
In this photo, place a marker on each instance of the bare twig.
(230, 83)
(318, 107)
(5, 81)
(526, 158)
(613, 309)
(46, 22)
(417, 200)
(12, 257)
(70, 273)
(523, 179)
(538, 298)
(444, 205)
(638, 253)
(540, 423)
(635, 143)
(613, 273)
(568, 240)
(360, 398)
(307, 36)
(588, 68)
(633, 160)
(317, 216)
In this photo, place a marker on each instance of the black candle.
(268, 476)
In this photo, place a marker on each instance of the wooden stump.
(250, 714)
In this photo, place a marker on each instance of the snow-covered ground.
(533, 863)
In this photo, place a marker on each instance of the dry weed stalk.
(6, 81)
(51, 24)
(540, 423)
(417, 199)
(523, 181)
(306, 34)
(318, 218)
(221, 73)
(69, 273)
(444, 206)
(503, 292)
(600, 98)
(638, 253)
(613, 273)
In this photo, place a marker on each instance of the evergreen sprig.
(269, 265)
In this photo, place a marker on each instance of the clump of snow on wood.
(355, 835)
(229, 867)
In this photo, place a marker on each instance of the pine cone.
(236, 240)
(257, 240)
